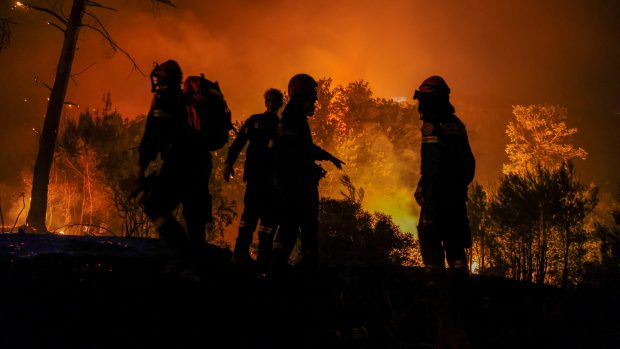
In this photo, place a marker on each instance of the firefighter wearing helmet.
(297, 175)
(183, 177)
(447, 168)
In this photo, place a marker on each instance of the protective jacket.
(165, 124)
(297, 179)
(184, 175)
(448, 165)
(296, 152)
(261, 130)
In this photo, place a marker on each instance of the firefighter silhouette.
(260, 199)
(297, 175)
(447, 168)
(186, 166)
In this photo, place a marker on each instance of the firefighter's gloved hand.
(337, 162)
(419, 198)
(229, 172)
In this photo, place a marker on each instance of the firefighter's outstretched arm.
(337, 162)
(322, 154)
(234, 150)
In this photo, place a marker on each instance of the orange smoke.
(482, 48)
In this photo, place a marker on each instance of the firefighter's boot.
(265, 247)
(241, 253)
(172, 233)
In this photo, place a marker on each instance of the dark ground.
(96, 292)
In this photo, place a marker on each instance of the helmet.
(302, 85)
(434, 84)
(167, 74)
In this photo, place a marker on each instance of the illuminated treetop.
(539, 135)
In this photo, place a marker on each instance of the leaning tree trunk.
(47, 143)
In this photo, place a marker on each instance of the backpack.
(208, 115)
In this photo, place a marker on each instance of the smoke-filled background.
(492, 54)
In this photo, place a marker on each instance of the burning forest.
(508, 168)
(91, 187)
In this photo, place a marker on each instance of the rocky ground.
(102, 292)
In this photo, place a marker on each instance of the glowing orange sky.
(492, 54)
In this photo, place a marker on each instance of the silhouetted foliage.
(349, 235)
(539, 221)
(109, 142)
(605, 272)
(97, 153)
(378, 139)
(532, 227)
(478, 213)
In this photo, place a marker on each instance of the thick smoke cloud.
(493, 54)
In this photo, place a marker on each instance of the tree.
(607, 270)
(576, 201)
(541, 213)
(477, 211)
(92, 174)
(379, 141)
(538, 136)
(92, 178)
(349, 235)
(70, 26)
(514, 212)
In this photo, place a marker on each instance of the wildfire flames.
(381, 156)
(393, 45)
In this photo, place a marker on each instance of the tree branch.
(80, 72)
(45, 10)
(83, 70)
(84, 225)
(20, 212)
(101, 29)
(5, 32)
(57, 26)
(37, 82)
(165, 2)
(113, 44)
(99, 23)
(96, 4)
(155, 4)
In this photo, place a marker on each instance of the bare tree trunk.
(566, 253)
(542, 261)
(482, 237)
(527, 261)
(90, 194)
(45, 156)
(83, 205)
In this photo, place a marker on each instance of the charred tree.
(47, 143)
(70, 27)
